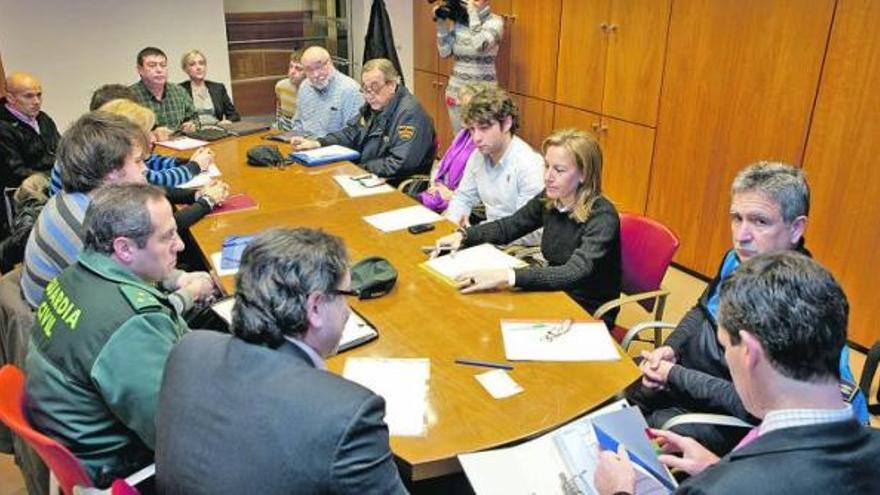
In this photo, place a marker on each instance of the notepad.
(357, 331)
(324, 155)
(585, 341)
(482, 257)
(202, 179)
(402, 218)
(235, 202)
(182, 143)
(403, 383)
(358, 188)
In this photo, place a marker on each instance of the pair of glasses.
(316, 67)
(374, 89)
(557, 331)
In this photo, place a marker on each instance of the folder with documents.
(325, 154)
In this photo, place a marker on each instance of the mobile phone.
(420, 228)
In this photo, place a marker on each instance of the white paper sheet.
(183, 143)
(215, 260)
(523, 341)
(356, 189)
(482, 257)
(499, 384)
(203, 179)
(403, 383)
(334, 150)
(402, 218)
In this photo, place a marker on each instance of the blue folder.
(233, 248)
(319, 156)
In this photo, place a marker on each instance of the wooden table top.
(423, 316)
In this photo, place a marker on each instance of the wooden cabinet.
(626, 155)
(424, 38)
(841, 163)
(611, 57)
(429, 90)
(535, 119)
(739, 85)
(534, 41)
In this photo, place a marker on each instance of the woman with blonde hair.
(210, 98)
(581, 240)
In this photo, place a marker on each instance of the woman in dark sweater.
(581, 239)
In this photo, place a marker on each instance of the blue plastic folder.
(324, 155)
(627, 426)
(233, 247)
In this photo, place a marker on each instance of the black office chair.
(868, 372)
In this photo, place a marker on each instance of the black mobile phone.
(420, 228)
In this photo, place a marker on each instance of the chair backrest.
(646, 249)
(64, 465)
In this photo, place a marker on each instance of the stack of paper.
(526, 341)
(357, 188)
(482, 257)
(182, 143)
(203, 179)
(402, 218)
(326, 154)
(403, 383)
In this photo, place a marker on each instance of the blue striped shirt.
(321, 112)
(165, 171)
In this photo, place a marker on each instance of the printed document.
(402, 218)
(534, 340)
(403, 383)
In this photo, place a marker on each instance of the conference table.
(422, 317)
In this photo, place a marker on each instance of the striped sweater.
(166, 171)
(474, 48)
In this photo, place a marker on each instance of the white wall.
(74, 46)
(401, 14)
(265, 5)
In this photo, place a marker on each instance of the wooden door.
(442, 124)
(841, 164)
(535, 119)
(739, 84)
(583, 45)
(534, 47)
(426, 91)
(637, 32)
(626, 155)
(425, 53)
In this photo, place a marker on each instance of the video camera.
(451, 9)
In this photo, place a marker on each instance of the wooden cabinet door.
(637, 32)
(739, 85)
(442, 124)
(425, 53)
(534, 47)
(580, 79)
(841, 164)
(426, 91)
(535, 119)
(626, 155)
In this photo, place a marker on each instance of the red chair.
(66, 470)
(646, 250)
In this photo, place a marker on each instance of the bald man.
(28, 137)
(327, 99)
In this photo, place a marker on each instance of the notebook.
(243, 128)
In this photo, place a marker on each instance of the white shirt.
(503, 187)
(314, 356)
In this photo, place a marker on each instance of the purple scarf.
(450, 170)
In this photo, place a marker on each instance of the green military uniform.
(175, 108)
(95, 361)
(396, 142)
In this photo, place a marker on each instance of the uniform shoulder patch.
(406, 132)
(139, 299)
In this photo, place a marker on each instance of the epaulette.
(139, 299)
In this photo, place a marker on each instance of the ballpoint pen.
(485, 364)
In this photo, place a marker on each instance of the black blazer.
(842, 457)
(223, 106)
(236, 417)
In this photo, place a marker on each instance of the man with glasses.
(257, 411)
(327, 100)
(393, 134)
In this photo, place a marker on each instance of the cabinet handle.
(595, 126)
(612, 27)
(604, 129)
(604, 27)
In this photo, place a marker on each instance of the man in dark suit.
(782, 324)
(256, 411)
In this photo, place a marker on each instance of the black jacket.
(22, 150)
(223, 107)
(379, 42)
(396, 142)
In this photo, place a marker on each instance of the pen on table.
(485, 364)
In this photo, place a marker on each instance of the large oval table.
(423, 316)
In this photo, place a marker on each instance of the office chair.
(66, 472)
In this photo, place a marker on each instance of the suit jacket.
(236, 417)
(841, 457)
(223, 106)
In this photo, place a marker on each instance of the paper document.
(182, 143)
(203, 179)
(403, 383)
(325, 154)
(402, 218)
(358, 188)
(482, 257)
(499, 384)
(526, 340)
(357, 330)
(217, 261)
(536, 466)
